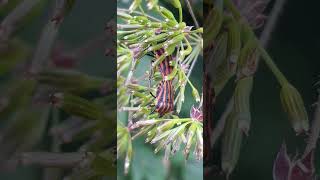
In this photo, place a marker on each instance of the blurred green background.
(86, 21)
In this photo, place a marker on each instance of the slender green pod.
(242, 103)
(231, 144)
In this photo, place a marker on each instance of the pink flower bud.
(300, 169)
(196, 114)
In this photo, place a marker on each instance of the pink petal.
(196, 113)
(300, 173)
(281, 165)
(308, 160)
(304, 168)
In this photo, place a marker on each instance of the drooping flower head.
(252, 11)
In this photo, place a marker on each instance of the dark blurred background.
(86, 22)
(294, 46)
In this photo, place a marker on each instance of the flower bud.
(160, 136)
(231, 144)
(152, 4)
(242, 103)
(180, 98)
(220, 72)
(249, 55)
(167, 14)
(234, 44)
(157, 38)
(124, 145)
(166, 126)
(78, 106)
(195, 94)
(137, 87)
(176, 3)
(141, 19)
(196, 114)
(176, 132)
(294, 106)
(190, 134)
(212, 25)
(72, 81)
(144, 123)
(199, 145)
(285, 168)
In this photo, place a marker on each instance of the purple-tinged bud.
(196, 114)
(281, 165)
(299, 169)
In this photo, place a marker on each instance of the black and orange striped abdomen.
(165, 90)
(164, 97)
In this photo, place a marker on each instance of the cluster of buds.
(232, 50)
(153, 99)
(142, 35)
(169, 134)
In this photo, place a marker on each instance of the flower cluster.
(232, 52)
(154, 100)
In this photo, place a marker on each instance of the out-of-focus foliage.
(58, 117)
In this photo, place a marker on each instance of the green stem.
(192, 13)
(139, 13)
(273, 67)
(265, 56)
(180, 15)
(141, 9)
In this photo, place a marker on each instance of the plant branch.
(266, 57)
(272, 20)
(139, 13)
(192, 13)
(315, 130)
(8, 24)
(47, 39)
(49, 159)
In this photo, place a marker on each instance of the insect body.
(165, 91)
(164, 67)
(164, 97)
